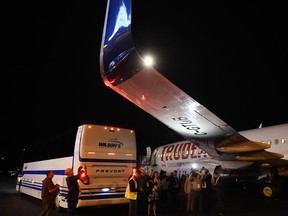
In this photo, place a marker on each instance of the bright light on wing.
(148, 60)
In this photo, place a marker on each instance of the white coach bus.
(107, 153)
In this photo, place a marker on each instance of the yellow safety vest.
(128, 193)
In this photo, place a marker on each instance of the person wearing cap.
(131, 193)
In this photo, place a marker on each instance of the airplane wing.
(123, 70)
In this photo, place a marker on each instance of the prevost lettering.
(181, 151)
(110, 171)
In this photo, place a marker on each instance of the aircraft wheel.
(269, 191)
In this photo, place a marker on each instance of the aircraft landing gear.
(269, 190)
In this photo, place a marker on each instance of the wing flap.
(259, 156)
(237, 143)
(248, 146)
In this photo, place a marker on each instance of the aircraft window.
(269, 142)
(283, 140)
(276, 141)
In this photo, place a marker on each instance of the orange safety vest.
(128, 193)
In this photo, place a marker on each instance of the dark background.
(229, 56)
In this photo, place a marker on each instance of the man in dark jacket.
(73, 191)
(206, 190)
(173, 188)
(49, 192)
(218, 183)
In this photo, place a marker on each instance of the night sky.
(230, 57)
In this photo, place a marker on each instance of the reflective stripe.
(128, 193)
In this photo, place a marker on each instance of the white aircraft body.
(184, 156)
(123, 70)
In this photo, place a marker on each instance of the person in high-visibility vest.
(131, 193)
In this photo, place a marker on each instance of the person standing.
(197, 195)
(48, 194)
(164, 189)
(181, 199)
(218, 183)
(173, 189)
(188, 193)
(143, 184)
(154, 194)
(207, 191)
(73, 191)
(131, 193)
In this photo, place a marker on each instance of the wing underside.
(122, 69)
